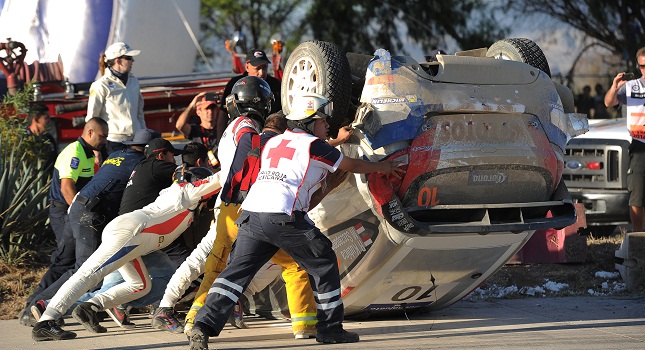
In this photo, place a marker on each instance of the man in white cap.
(116, 96)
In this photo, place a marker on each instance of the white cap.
(119, 49)
(309, 105)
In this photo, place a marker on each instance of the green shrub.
(24, 181)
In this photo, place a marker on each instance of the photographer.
(205, 105)
(630, 92)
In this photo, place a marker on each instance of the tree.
(258, 20)
(364, 25)
(615, 25)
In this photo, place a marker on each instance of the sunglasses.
(127, 58)
(641, 66)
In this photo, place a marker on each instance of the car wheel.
(521, 50)
(320, 67)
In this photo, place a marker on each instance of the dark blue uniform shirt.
(109, 182)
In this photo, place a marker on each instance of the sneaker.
(198, 339)
(305, 334)
(341, 336)
(49, 330)
(27, 319)
(120, 315)
(85, 314)
(236, 318)
(38, 309)
(165, 319)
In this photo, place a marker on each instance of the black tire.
(321, 67)
(521, 50)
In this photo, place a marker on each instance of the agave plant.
(25, 177)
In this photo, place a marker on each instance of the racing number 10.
(411, 292)
(427, 197)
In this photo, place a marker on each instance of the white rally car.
(482, 133)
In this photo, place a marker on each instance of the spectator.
(631, 94)
(600, 110)
(73, 169)
(38, 122)
(584, 101)
(116, 96)
(257, 65)
(293, 173)
(205, 132)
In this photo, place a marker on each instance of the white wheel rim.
(303, 77)
(501, 56)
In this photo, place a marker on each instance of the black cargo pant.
(63, 257)
(258, 239)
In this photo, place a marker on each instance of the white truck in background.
(595, 172)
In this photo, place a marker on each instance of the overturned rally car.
(482, 134)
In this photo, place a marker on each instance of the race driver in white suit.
(125, 239)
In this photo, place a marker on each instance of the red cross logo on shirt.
(279, 152)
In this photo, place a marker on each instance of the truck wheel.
(320, 67)
(521, 50)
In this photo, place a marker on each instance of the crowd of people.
(120, 204)
(593, 106)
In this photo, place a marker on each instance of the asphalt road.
(532, 323)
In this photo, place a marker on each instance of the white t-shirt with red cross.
(293, 166)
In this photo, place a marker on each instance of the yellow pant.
(302, 306)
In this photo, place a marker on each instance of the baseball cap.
(158, 145)
(119, 49)
(203, 103)
(142, 137)
(257, 58)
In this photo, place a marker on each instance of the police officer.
(293, 173)
(73, 169)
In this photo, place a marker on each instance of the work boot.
(198, 338)
(85, 314)
(49, 330)
(337, 337)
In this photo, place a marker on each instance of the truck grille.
(610, 158)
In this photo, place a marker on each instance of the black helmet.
(183, 175)
(252, 97)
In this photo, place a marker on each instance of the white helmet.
(310, 105)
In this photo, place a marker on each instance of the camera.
(211, 96)
(627, 76)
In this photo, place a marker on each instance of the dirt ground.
(518, 280)
(581, 279)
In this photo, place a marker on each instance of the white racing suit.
(126, 238)
(194, 266)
